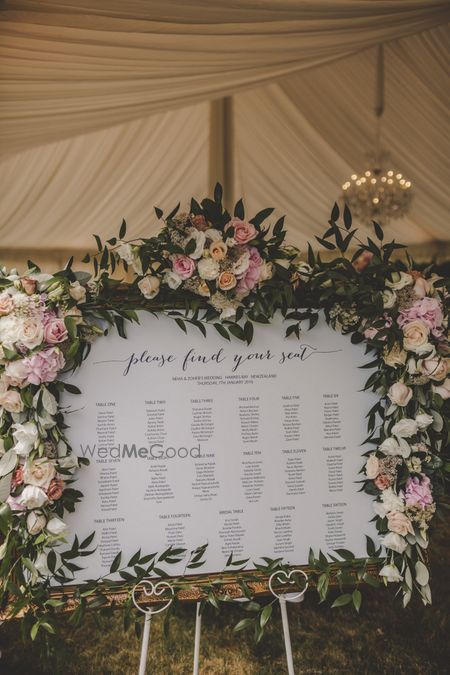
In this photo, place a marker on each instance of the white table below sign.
(252, 449)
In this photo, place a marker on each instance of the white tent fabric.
(69, 68)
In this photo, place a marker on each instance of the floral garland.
(227, 272)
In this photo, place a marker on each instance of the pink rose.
(435, 368)
(6, 304)
(418, 491)
(400, 393)
(399, 523)
(44, 366)
(55, 331)
(421, 287)
(427, 310)
(371, 332)
(243, 231)
(250, 277)
(362, 261)
(55, 489)
(183, 266)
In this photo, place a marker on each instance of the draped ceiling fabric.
(104, 109)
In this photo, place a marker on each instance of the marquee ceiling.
(105, 110)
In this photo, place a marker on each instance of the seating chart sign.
(255, 450)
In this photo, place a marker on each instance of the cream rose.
(372, 467)
(399, 523)
(36, 522)
(389, 298)
(226, 281)
(16, 373)
(39, 472)
(149, 287)
(31, 333)
(395, 357)
(57, 527)
(415, 335)
(443, 389)
(208, 269)
(218, 250)
(399, 280)
(390, 573)
(400, 393)
(436, 368)
(405, 428)
(11, 401)
(266, 272)
(77, 292)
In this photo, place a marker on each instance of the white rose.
(39, 472)
(405, 428)
(16, 373)
(392, 501)
(125, 252)
(392, 447)
(68, 462)
(423, 420)
(149, 287)
(172, 279)
(9, 330)
(400, 393)
(35, 522)
(399, 280)
(228, 311)
(395, 542)
(389, 298)
(25, 437)
(77, 292)
(41, 564)
(213, 234)
(208, 269)
(57, 527)
(33, 497)
(31, 333)
(200, 238)
(390, 573)
(241, 264)
(372, 467)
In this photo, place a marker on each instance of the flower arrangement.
(228, 272)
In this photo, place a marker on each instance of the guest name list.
(252, 449)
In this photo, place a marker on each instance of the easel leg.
(198, 625)
(144, 645)
(287, 637)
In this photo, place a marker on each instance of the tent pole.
(221, 148)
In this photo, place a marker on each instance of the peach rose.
(28, 285)
(415, 335)
(421, 287)
(11, 401)
(399, 523)
(372, 467)
(383, 481)
(6, 304)
(435, 369)
(227, 281)
(55, 489)
(218, 250)
(400, 394)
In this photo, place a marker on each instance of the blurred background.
(109, 108)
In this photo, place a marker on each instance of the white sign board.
(253, 449)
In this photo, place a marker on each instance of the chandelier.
(380, 192)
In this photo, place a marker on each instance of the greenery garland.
(225, 272)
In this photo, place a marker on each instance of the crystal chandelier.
(380, 193)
